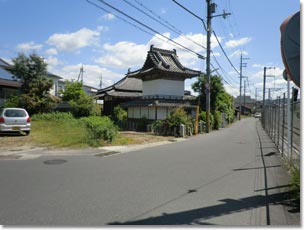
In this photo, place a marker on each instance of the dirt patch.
(14, 142)
(143, 138)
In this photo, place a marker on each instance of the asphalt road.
(219, 178)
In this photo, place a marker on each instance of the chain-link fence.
(281, 120)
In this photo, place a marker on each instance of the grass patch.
(59, 133)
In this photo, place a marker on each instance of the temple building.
(152, 91)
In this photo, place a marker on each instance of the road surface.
(228, 177)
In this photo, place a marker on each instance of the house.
(8, 86)
(152, 91)
(58, 84)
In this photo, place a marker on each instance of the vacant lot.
(46, 135)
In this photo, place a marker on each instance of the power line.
(222, 70)
(149, 28)
(224, 52)
(123, 19)
(164, 23)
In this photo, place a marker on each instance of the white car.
(257, 115)
(14, 120)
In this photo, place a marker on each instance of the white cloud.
(108, 16)
(28, 47)
(123, 55)
(236, 43)
(52, 62)
(51, 51)
(71, 42)
(258, 66)
(237, 53)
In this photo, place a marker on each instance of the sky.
(69, 34)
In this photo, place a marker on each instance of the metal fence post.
(278, 122)
(292, 113)
(288, 121)
(283, 125)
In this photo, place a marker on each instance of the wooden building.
(152, 91)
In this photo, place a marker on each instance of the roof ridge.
(154, 49)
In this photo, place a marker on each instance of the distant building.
(248, 105)
(10, 86)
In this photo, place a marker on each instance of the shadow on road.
(200, 215)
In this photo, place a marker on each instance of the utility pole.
(244, 93)
(264, 88)
(81, 74)
(242, 64)
(210, 10)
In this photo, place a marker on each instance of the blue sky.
(71, 33)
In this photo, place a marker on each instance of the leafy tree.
(178, 116)
(82, 104)
(32, 73)
(220, 100)
(72, 91)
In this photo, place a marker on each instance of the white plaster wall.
(144, 112)
(152, 111)
(136, 112)
(162, 112)
(163, 87)
(130, 112)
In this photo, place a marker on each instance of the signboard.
(290, 46)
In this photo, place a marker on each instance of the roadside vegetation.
(63, 130)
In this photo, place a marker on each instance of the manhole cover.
(55, 162)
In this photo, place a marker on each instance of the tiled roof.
(165, 61)
(126, 87)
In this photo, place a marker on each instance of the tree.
(32, 73)
(220, 100)
(82, 104)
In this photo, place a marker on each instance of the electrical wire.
(224, 52)
(164, 23)
(124, 20)
(151, 29)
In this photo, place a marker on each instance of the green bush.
(12, 101)
(295, 184)
(99, 128)
(177, 117)
(120, 116)
(157, 126)
(217, 119)
(202, 116)
(55, 116)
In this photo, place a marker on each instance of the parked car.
(14, 120)
(257, 115)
